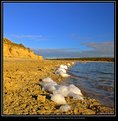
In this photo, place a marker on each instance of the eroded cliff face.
(13, 50)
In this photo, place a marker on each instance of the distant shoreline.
(85, 59)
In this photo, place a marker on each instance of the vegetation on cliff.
(7, 41)
(14, 50)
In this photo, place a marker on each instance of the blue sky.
(61, 29)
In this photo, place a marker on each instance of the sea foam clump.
(65, 108)
(48, 84)
(73, 63)
(48, 79)
(75, 96)
(64, 74)
(75, 92)
(63, 66)
(59, 70)
(63, 90)
(59, 92)
(68, 64)
(58, 98)
(62, 71)
(73, 89)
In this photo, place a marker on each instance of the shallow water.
(95, 79)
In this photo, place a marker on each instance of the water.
(95, 79)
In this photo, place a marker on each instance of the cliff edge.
(13, 50)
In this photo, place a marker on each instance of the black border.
(59, 116)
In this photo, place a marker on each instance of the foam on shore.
(59, 92)
(62, 70)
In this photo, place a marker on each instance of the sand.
(23, 95)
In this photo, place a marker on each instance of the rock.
(41, 98)
(88, 111)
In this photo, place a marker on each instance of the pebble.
(41, 98)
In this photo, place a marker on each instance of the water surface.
(95, 79)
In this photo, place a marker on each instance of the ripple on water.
(95, 78)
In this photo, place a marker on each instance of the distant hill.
(13, 50)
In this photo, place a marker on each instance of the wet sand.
(23, 95)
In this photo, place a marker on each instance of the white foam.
(49, 88)
(68, 64)
(73, 62)
(58, 98)
(64, 74)
(64, 66)
(60, 70)
(48, 79)
(75, 96)
(65, 108)
(48, 84)
(63, 90)
(73, 89)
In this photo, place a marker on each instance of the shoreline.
(85, 61)
(98, 61)
(22, 93)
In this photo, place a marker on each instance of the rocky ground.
(22, 93)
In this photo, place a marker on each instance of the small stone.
(39, 69)
(76, 110)
(88, 111)
(41, 98)
(47, 107)
(96, 103)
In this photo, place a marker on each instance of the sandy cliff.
(14, 50)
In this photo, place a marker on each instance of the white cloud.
(106, 47)
(99, 49)
(38, 37)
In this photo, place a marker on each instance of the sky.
(61, 29)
